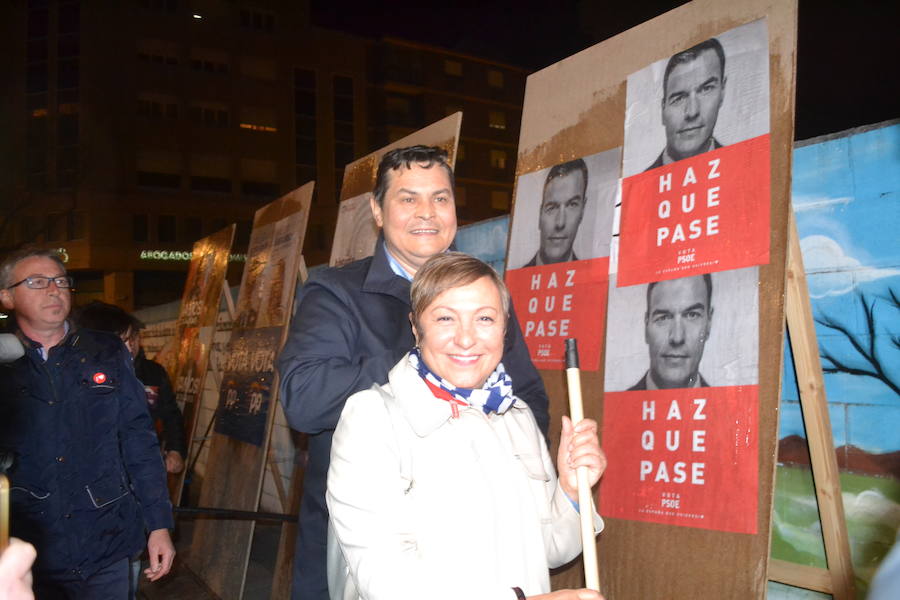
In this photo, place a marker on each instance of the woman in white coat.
(440, 485)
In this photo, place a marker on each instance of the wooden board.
(194, 332)
(576, 108)
(220, 549)
(359, 179)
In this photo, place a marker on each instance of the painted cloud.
(831, 272)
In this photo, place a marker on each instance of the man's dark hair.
(423, 156)
(691, 54)
(707, 279)
(10, 262)
(101, 316)
(563, 169)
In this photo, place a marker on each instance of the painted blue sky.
(845, 195)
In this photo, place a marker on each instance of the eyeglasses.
(40, 282)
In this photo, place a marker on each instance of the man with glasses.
(86, 475)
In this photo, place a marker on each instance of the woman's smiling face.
(460, 334)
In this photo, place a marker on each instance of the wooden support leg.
(814, 406)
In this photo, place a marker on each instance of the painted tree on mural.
(868, 357)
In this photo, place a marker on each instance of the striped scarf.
(496, 395)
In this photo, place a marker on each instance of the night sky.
(847, 57)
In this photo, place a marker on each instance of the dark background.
(846, 60)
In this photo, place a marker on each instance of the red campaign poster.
(560, 301)
(683, 457)
(698, 215)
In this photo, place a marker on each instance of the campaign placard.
(696, 161)
(557, 302)
(682, 457)
(699, 215)
(263, 309)
(195, 328)
(557, 266)
(681, 407)
(356, 231)
(249, 373)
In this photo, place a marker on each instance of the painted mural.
(846, 195)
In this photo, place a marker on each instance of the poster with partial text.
(195, 328)
(355, 233)
(263, 310)
(680, 417)
(686, 397)
(558, 259)
(696, 160)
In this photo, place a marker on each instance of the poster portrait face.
(676, 327)
(694, 331)
(693, 89)
(561, 212)
(712, 94)
(564, 212)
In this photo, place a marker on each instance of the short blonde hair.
(450, 270)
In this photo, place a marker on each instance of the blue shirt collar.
(396, 267)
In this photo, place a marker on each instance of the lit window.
(495, 78)
(453, 67)
(497, 119)
(500, 200)
(498, 159)
(258, 119)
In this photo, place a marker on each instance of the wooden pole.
(585, 502)
(4, 512)
(814, 406)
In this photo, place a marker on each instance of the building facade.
(137, 127)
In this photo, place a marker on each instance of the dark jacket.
(351, 327)
(161, 401)
(659, 159)
(641, 385)
(534, 262)
(87, 477)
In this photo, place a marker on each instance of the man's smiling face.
(418, 215)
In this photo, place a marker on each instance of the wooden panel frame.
(565, 118)
(838, 579)
(220, 549)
